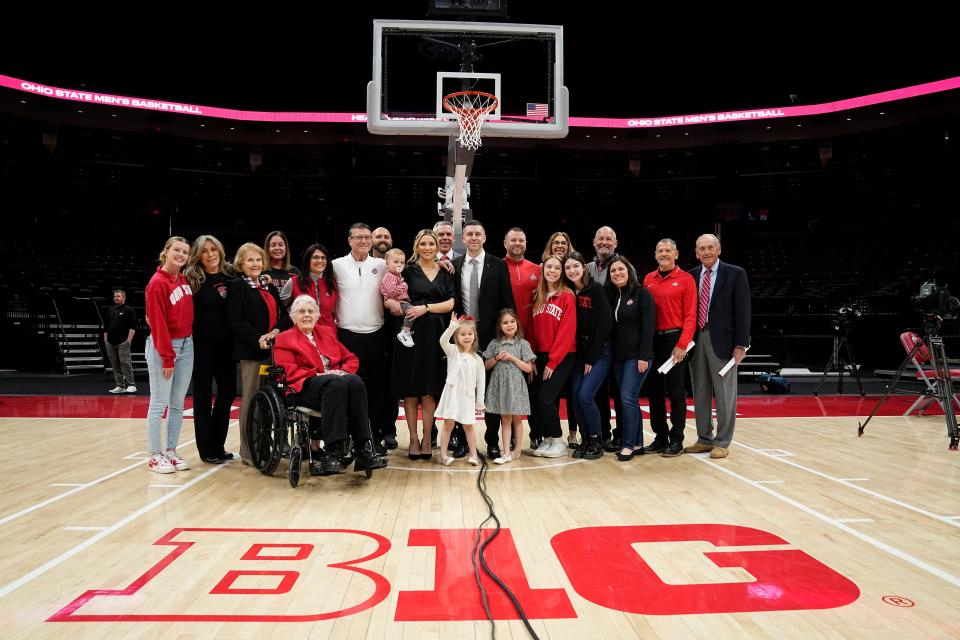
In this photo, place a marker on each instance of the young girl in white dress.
(462, 394)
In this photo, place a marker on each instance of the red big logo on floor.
(273, 570)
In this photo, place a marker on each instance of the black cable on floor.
(482, 487)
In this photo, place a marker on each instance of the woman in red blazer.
(323, 373)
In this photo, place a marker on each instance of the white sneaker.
(557, 449)
(539, 451)
(158, 463)
(178, 463)
(405, 338)
(130, 389)
(504, 459)
(117, 389)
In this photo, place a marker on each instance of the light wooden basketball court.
(804, 531)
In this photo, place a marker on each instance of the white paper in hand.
(730, 364)
(666, 366)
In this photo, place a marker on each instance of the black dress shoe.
(591, 450)
(390, 442)
(330, 464)
(493, 452)
(675, 449)
(612, 446)
(226, 455)
(213, 460)
(379, 449)
(656, 446)
(623, 457)
(535, 442)
(367, 459)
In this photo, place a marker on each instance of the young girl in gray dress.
(511, 358)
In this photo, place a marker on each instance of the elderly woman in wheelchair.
(322, 373)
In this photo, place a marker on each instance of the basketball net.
(471, 109)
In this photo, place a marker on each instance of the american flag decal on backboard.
(537, 109)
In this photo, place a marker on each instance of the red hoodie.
(554, 329)
(169, 312)
(524, 276)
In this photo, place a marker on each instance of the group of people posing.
(457, 337)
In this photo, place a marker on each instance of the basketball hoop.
(471, 108)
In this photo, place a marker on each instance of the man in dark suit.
(482, 284)
(723, 332)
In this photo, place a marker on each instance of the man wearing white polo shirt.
(360, 323)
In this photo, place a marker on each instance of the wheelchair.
(278, 427)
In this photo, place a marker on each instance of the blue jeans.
(167, 393)
(585, 390)
(630, 380)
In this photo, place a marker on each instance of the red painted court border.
(135, 407)
(382, 590)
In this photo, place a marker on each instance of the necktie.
(474, 287)
(444, 258)
(704, 302)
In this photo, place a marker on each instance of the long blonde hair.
(195, 273)
(415, 254)
(168, 244)
(542, 293)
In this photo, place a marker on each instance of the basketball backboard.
(417, 62)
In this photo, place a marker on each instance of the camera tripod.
(842, 353)
(941, 384)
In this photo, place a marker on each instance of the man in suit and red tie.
(482, 285)
(723, 332)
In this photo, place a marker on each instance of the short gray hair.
(612, 232)
(301, 301)
(707, 235)
(669, 241)
(442, 223)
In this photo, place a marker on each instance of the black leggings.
(545, 395)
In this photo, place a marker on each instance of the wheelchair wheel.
(293, 473)
(266, 431)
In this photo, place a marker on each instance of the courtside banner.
(765, 113)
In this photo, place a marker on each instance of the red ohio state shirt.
(554, 328)
(169, 312)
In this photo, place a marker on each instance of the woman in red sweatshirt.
(553, 337)
(169, 354)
